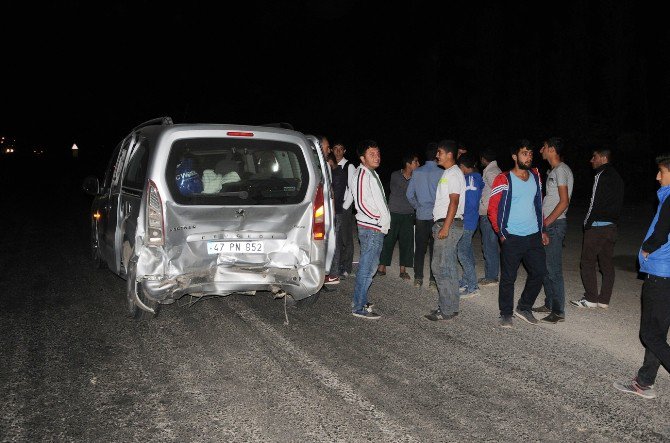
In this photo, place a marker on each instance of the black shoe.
(439, 315)
(553, 318)
(542, 309)
(526, 315)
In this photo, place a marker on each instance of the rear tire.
(133, 286)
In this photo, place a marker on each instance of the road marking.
(391, 430)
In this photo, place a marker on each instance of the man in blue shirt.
(654, 257)
(474, 184)
(421, 195)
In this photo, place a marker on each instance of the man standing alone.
(556, 201)
(600, 232)
(447, 231)
(515, 211)
(373, 219)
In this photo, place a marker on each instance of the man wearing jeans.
(654, 257)
(421, 195)
(447, 231)
(600, 232)
(490, 244)
(556, 201)
(515, 211)
(373, 219)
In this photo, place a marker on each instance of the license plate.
(233, 247)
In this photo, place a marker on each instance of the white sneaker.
(583, 303)
(603, 305)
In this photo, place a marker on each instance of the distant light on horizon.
(75, 150)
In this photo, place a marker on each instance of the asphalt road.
(74, 367)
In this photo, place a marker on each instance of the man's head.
(369, 154)
(447, 152)
(467, 163)
(339, 150)
(663, 175)
(522, 154)
(325, 144)
(410, 161)
(552, 149)
(431, 151)
(461, 150)
(487, 156)
(600, 157)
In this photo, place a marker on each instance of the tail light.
(155, 227)
(319, 219)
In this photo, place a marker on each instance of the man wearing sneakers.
(555, 205)
(654, 257)
(344, 249)
(373, 220)
(515, 211)
(447, 231)
(600, 232)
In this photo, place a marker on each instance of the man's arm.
(411, 193)
(560, 207)
(660, 235)
(449, 218)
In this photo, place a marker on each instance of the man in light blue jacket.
(654, 257)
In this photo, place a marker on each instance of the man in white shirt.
(447, 231)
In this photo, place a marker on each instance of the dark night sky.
(485, 73)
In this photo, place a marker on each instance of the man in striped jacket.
(373, 220)
(515, 212)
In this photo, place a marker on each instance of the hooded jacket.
(657, 240)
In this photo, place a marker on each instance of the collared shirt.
(421, 189)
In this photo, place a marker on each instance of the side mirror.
(91, 185)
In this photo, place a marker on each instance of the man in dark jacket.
(600, 231)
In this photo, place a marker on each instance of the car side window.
(111, 167)
(136, 170)
(118, 166)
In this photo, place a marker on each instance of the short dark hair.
(364, 146)
(467, 159)
(664, 160)
(557, 144)
(408, 157)
(604, 152)
(521, 143)
(488, 154)
(431, 151)
(448, 146)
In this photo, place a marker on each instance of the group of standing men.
(518, 224)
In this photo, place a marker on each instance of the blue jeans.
(554, 288)
(491, 248)
(514, 251)
(467, 258)
(445, 266)
(371, 247)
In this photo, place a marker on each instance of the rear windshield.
(227, 171)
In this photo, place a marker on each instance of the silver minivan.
(213, 209)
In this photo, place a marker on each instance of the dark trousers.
(344, 247)
(423, 241)
(402, 231)
(513, 251)
(598, 249)
(654, 325)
